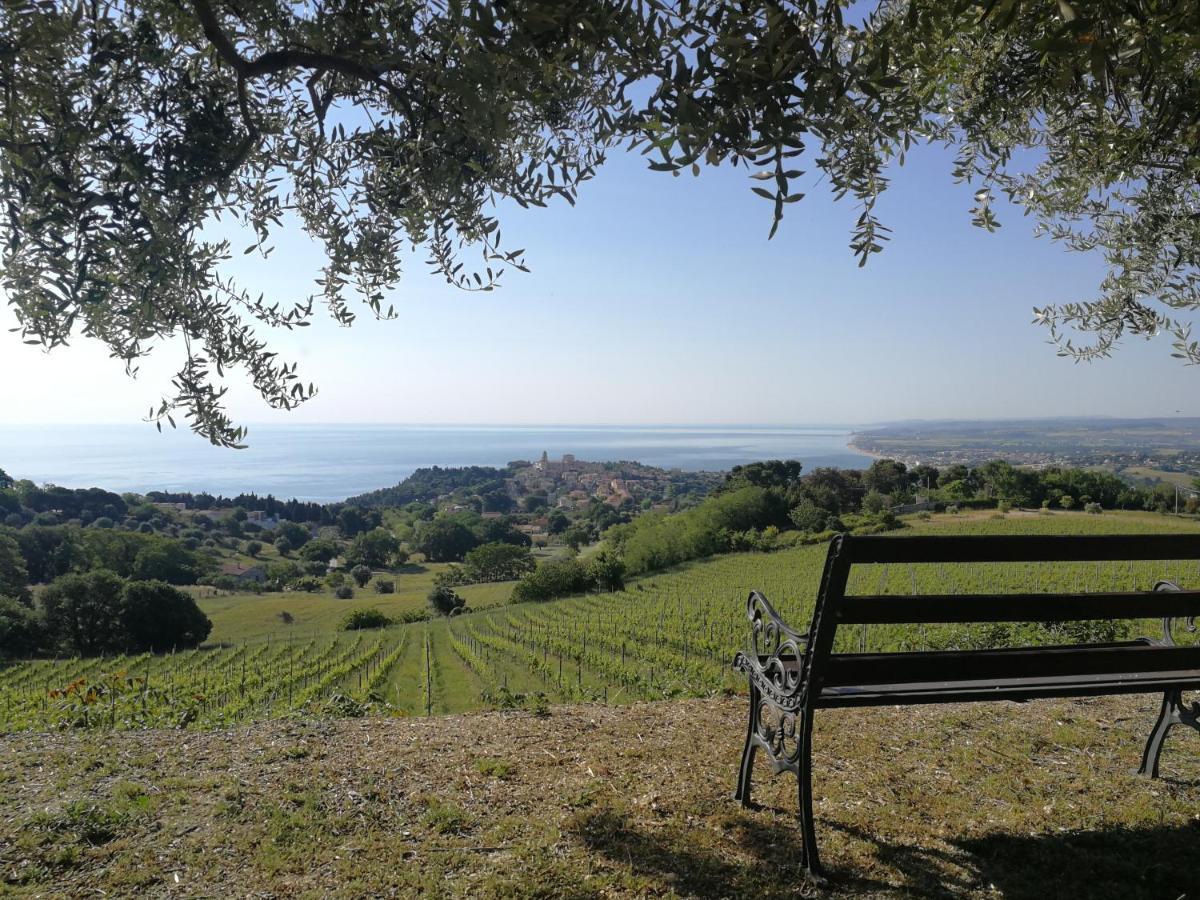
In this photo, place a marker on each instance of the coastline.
(863, 450)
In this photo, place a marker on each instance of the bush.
(553, 578)
(308, 583)
(224, 582)
(158, 618)
(606, 572)
(21, 631)
(445, 600)
(1004, 506)
(99, 613)
(444, 540)
(1092, 508)
(361, 575)
(373, 548)
(655, 541)
(498, 562)
(385, 586)
(253, 548)
(453, 576)
(807, 516)
(364, 617)
(82, 613)
(343, 592)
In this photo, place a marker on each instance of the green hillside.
(666, 635)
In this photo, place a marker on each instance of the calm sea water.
(332, 462)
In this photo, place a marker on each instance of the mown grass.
(992, 800)
(248, 616)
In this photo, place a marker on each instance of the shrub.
(445, 600)
(385, 586)
(101, 613)
(498, 562)
(807, 516)
(364, 617)
(343, 592)
(1004, 506)
(20, 629)
(253, 548)
(158, 617)
(1092, 508)
(553, 578)
(361, 575)
(1066, 501)
(606, 572)
(308, 583)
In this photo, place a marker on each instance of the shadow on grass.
(1122, 863)
(409, 569)
(1126, 863)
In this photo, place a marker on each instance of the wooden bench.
(792, 674)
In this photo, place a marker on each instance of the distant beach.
(331, 462)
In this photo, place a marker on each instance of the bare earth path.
(996, 800)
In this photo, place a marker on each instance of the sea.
(328, 463)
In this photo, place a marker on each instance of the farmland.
(666, 635)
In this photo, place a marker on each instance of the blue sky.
(660, 300)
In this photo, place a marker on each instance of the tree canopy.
(130, 129)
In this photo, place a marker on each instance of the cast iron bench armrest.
(1168, 638)
(774, 654)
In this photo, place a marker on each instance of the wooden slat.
(1016, 689)
(1019, 548)
(1014, 663)
(900, 608)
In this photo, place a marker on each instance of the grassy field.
(1183, 479)
(665, 636)
(238, 617)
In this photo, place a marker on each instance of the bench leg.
(1173, 713)
(742, 793)
(808, 832)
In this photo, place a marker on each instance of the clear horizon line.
(843, 426)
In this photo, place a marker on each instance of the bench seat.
(1007, 689)
(1128, 667)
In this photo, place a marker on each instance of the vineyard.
(665, 636)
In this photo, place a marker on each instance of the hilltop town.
(570, 483)
(564, 484)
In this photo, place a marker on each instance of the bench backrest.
(835, 608)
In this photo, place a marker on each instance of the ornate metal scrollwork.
(1189, 623)
(773, 655)
(1174, 711)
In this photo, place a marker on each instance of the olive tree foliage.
(129, 129)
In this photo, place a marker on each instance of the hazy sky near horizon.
(660, 300)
